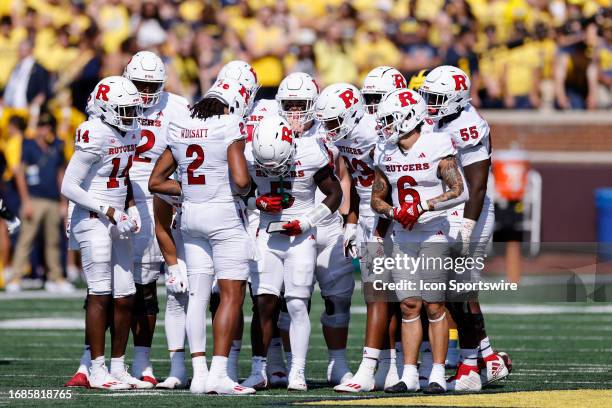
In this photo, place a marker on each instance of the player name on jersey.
(194, 133)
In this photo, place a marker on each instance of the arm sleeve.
(461, 198)
(77, 169)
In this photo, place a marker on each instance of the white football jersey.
(470, 135)
(413, 174)
(154, 139)
(107, 179)
(200, 149)
(310, 156)
(356, 150)
(261, 108)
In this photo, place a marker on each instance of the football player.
(340, 108)
(244, 74)
(287, 170)
(97, 181)
(421, 172)
(207, 146)
(147, 72)
(446, 91)
(334, 270)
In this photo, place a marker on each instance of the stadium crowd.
(520, 54)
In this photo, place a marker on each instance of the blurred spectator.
(600, 71)
(10, 37)
(147, 26)
(333, 60)
(462, 55)
(417, 51)
(84, 73)
(372, 48)
(267, 42)
(38, 181)
(302, 58)
(28, 80)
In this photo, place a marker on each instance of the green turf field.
(552, 349)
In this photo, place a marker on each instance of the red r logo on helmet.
(399, 80)
(286, 134)
(460, 83)
(244, 94)
(102, 91)
(406, 98)
(349, 98)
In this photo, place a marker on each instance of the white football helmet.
(91, 109)
(118, 102)
(297, 90)
(446, 91)
(378, 82)
(231, 93)
(148, 73)
(399, 112)
(244, 73)
(339, 108)
(273, 147)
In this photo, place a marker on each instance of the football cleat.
(359, 383)
(434, 388)
(150, 379)
(507, 360)
(278, 379)
(104, 381)
(172, 383)
(466, 379)
(134, 382)
(338, 373)
(404, 385)
(78, 380)
(226, 386)
(297, 381)
(258, 381)
(198, 384)
(492, 368)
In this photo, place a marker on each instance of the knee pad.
(284, 320)
(146, 303)
(99, 281)
(337, 312)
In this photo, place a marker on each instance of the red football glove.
(292, 228)
(271, 203)
(408, 214)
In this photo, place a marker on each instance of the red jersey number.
(403, 191)
(466, 133)
(143, 148)
(198, 152)
(112, 178)
(366, 179)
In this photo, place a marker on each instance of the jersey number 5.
(403, 192)
(195, 164)
(143, 148)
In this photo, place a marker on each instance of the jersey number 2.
(195, 164)
(143, 148)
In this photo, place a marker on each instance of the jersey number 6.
(402, 191)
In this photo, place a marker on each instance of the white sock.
(392, 356)
(218, 367)
(299, 331)
(289, 356)
(85, 363)
(117, 364)
(258, 364)
(410, 371)
(470, 357)
(437, 374)
(97, 364)
(200, 369)
(298, 364)
(175, 319)
(485, 348)
(338, 357)
(385, 357)
(142, 362)
(275, 352)
(177, 364)
(369, 360)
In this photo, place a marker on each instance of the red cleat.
(149, 379)
(78, 380)
(493, 368)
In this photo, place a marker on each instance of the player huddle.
(276, 195)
